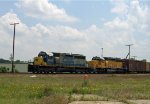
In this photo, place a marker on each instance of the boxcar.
(135, 66)
(147, 66)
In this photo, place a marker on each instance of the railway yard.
(74, 88)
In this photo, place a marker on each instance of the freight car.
(137, 66)
(147, 66)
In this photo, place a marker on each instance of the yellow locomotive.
(105, 64)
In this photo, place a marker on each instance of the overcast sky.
(75, 26)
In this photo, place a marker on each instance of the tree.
(18, 61)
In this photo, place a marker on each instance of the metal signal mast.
(129, 45)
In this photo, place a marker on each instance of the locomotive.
(58, 62)
(77, 63)
(106, 64)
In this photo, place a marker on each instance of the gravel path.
(96, 102)
(95, 99)
(140, 101)
(111, 102)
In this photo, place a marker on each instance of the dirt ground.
(94, 99)
(112, 102)
(140, 101)
(96, 102)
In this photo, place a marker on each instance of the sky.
(75, 26)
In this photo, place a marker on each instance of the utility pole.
(102, 53)
(14, 24)
(129, 45)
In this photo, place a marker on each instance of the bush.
(52, 99)
(4, 69)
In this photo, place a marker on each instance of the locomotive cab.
(39, 61)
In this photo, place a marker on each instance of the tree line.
(9, 61)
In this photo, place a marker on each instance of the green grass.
(59, 89)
